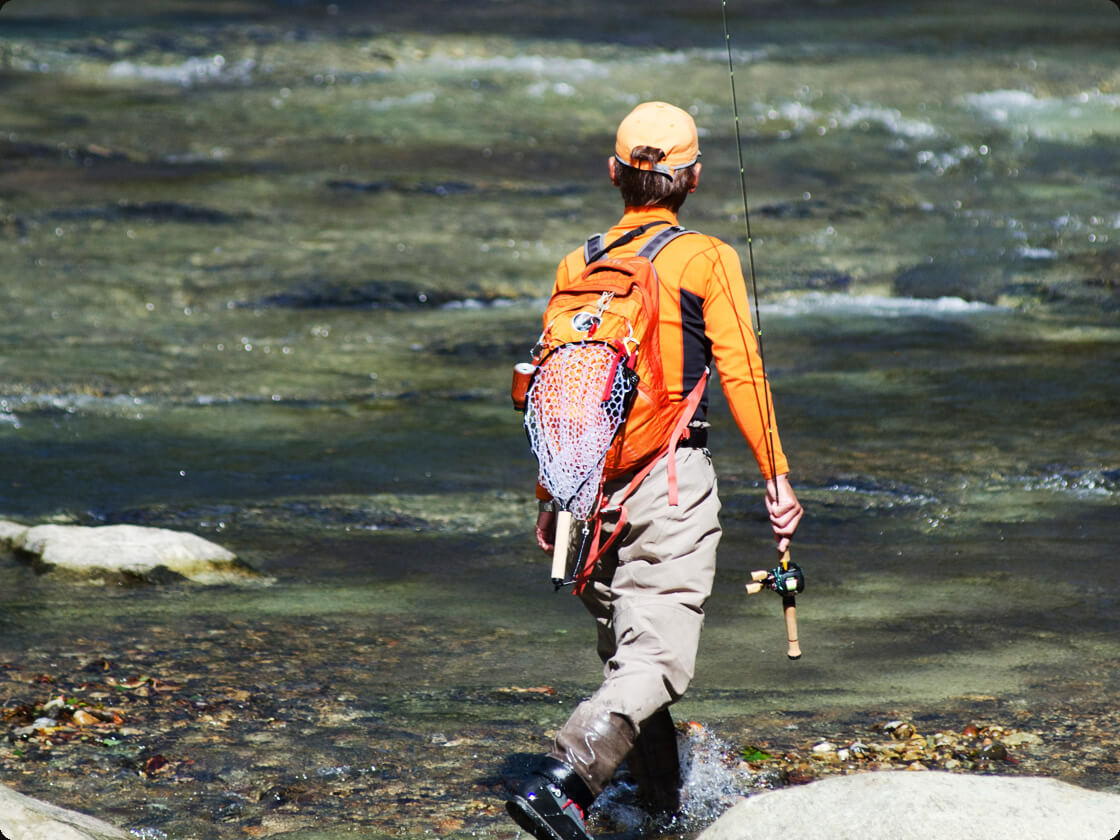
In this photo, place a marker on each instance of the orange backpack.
(596, 406)
(615, 303)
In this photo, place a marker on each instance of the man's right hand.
(546, 530)
(784, 509)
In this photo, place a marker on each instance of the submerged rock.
(24, 818)
(319, 293)
(156, 211)
(916, 806)
(130, 551)
(945, 279)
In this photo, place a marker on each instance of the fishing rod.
(786, 578)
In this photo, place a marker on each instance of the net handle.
(560, 546)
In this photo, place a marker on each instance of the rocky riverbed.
(165, 728)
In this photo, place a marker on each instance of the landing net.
(577, 402)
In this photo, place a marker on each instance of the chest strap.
(596, 246)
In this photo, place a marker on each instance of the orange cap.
(662, 126)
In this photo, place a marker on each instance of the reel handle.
(758, 578)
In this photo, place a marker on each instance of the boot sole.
(526, 816)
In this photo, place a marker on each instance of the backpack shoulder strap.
(652, 248)
(593, 248)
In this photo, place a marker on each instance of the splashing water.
(713, 778)
(712, 781)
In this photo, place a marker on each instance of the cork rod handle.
(789, 609)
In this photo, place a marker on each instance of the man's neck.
(634, 216)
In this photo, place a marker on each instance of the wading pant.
(647, 597)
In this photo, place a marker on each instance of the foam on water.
(119, 404)
(1085, 113)
(802, 116)
(739, 58)
(1029, 253)
(193, 71)
(798, 114)
(942, 162)
(890, 119)
(883, 306)
(550, 66)
(579, 67)
(871, 494)
(556, 88)
(495, 303)
(1093, 225)
(419, 97)
(1099, 483)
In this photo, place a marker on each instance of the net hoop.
(576, 404)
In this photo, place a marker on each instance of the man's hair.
(646, 188)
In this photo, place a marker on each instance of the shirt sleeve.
(728, 326)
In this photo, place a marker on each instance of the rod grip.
(560, 547)
(789, 610)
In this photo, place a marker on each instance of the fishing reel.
(785, 580)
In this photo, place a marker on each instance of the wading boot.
(550, 803)
(655, 765)
(593, 743)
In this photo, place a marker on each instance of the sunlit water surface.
(265, 268)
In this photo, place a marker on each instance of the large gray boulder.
(903, 805)
(128, 551)
(24, 818)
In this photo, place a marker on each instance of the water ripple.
(1083, 483)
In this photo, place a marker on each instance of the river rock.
(946, 278)
(10, 532)
(24, 818)
(901, 805)
(128, 551)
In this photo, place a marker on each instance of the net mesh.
(578, 399)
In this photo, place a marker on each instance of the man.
(647, 593)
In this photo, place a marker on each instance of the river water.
(265, 267)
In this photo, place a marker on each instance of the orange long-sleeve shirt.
(705, 317)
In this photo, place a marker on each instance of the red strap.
(608, 385)
(595, 551)
(690, 403)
